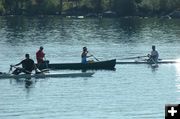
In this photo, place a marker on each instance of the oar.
(44, 70)
(95, 58)
(10, 69)
(41, 71)
(133, 57)
(21, 68)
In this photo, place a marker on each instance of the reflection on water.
(28, 83)
(37, 29)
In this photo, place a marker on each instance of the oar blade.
(132, 57)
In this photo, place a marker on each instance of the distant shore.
(108, 14)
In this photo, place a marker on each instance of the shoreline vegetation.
(92, 8)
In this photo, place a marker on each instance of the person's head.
(153, 47)
(41, 48)
(84, 49)
(27, 56)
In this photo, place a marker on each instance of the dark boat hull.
(109, 64)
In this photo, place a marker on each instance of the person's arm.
(89, 55)
(84, 54)
(36, 69)
(18, 64)
(150, 55)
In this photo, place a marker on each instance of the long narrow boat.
(109, 65)
(145, 62)
(46, 75)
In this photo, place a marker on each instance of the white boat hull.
(145, 62)
(2, 76)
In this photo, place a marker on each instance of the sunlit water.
(132, 91)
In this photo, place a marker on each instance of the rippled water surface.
(132, 91)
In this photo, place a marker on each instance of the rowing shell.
(145, 62)
(46, 75)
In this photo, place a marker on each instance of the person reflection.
(28, 82)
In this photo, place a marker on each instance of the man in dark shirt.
(27, 66)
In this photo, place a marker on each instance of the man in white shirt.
(153, 57)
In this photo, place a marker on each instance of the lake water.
(132, 91)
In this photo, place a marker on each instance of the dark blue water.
(132, 91)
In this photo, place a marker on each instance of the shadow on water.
(119, 30)
(21, 29)
(15, 26)
(130, 26)
(153, 68)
